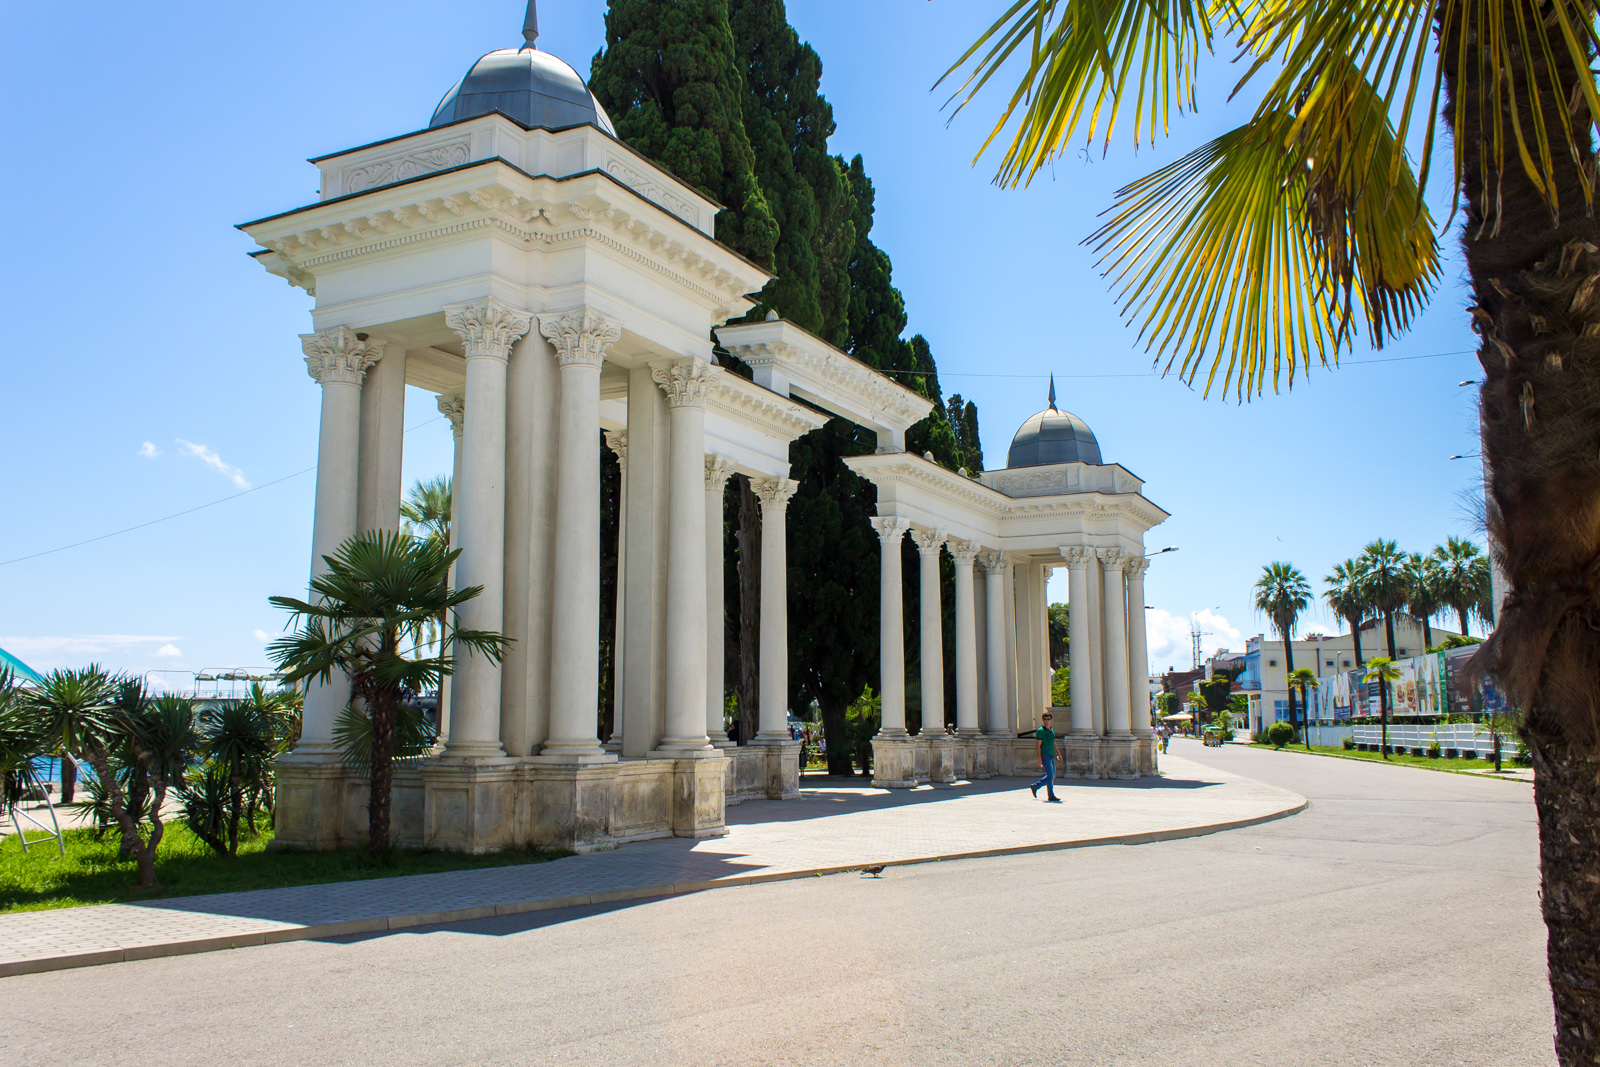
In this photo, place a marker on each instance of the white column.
(773, 706)
(1078, 657)
(997, 569)
(685, 383)
(964, 552)
(337, 359)
(580, 339)
(1114, 606)
(453, 407)
(1138, 650)
(891, 627)
(718, 470)
(617, 441)
(929, 544)
(383, 416)
(488, 329)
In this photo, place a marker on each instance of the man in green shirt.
(1047, 760)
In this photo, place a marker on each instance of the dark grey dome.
(1053, 436)
(532, 87)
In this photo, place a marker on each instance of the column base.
(684, 749)
(699, 800)
(941, 758)
(307, 807)
(781, 774)
(1118, 757)
(455, 750)
(469, 806)
(894, 760)
(574, 754)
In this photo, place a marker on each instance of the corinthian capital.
(454, 408)
(1077, 557)
(617, 441)
(964, 552)
(488, 328)
(891, 528)
(686, 381)
(580, 337)
(718, 470)
(774, 492)
(929, 541)
(994, 562)
(1136, 566)
(1112, 558)
(339, 355)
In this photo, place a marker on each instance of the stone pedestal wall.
(493, 804)
(904, 762)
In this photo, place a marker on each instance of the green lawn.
(91, 874)
(1454, 766)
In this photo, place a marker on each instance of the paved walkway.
(836, 826)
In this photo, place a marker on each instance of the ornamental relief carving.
(719, 469)
(651, 191)
(488, 328)
(1035, 480)
(686, 381)
(580, 337)
(928, 542)
(407, 165)
(891, 528)
(774, 492)
(453, 407)
(964, 552)
(339, 355)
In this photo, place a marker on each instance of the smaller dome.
(1053, 436)
(532, 87)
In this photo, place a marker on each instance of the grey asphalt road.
(1393, 922)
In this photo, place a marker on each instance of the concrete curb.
(610, 896)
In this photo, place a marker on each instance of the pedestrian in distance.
(1047, 760)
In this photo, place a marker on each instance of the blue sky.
(154, 368)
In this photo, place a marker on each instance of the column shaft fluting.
(1114, 609)
(1078, 651)
(580, 340)
(773, 707)
(337, 359)
(1138, 650)
(929, 545)
(891, 627)
(997, 569)
(964, 553)
(685, 383)
(488, 329)
(718, 470)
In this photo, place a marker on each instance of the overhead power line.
(186, 511)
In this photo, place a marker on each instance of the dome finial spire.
(1052, 392)
(530, 26)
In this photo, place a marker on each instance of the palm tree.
(1383, 583)
(1483, 605)
(239, 737)
(1305, 679)
(1382, 669)
(1422, 593)
(1264, 251)
(1457, 561)
(379, 591)
(427, 511)
(1281, 595)
(1346, 599)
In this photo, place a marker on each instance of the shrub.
(1350, 743)
(1433, 750)
(1280, 734)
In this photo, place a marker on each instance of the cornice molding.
(747, 402)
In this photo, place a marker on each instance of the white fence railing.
(1456, 739)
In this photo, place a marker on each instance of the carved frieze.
(406, 165)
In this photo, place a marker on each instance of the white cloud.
(169, 651)
(261, 635)
(1171, 645)
(215, 462)
(149, 451)
(113, 651)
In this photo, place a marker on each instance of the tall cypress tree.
(725, 94)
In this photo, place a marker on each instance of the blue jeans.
(1048, 778)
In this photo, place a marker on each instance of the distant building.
(1266, 667)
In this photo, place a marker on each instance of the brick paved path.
(834, 826)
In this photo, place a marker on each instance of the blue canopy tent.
(18, 668)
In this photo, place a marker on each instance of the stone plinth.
(941, 758)
(894, 761)
(309, 805)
